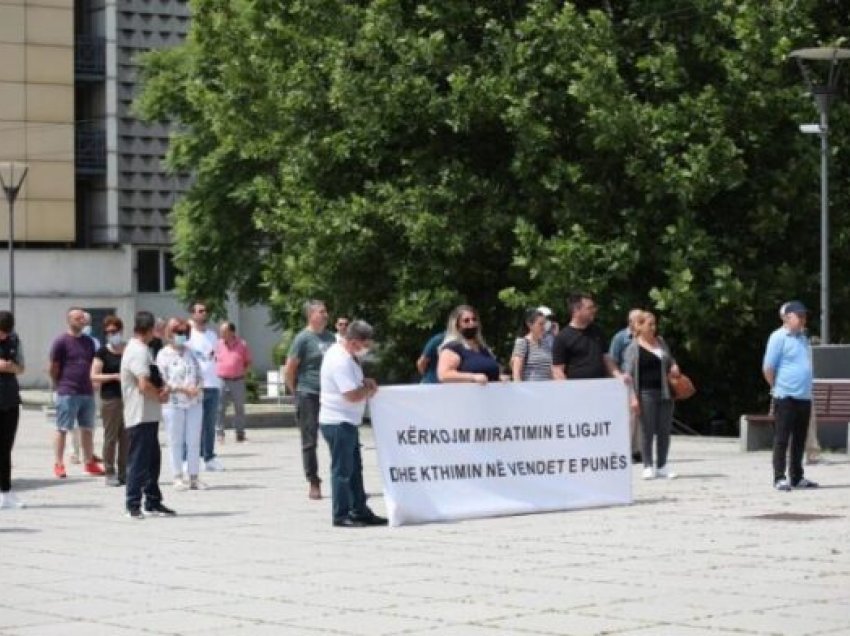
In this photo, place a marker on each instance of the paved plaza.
(716, 551)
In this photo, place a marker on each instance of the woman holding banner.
(464, 356)
(531, 359)
(649, 362)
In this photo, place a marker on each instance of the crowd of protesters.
(183, 372)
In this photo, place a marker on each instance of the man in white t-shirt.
(202, 342)
(142, 412)
(342, 397)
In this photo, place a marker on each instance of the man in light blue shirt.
(787, 368)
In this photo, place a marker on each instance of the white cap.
(543, 309)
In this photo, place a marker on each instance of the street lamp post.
(12, 182)
(823, 92)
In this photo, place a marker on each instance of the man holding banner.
(342, 397)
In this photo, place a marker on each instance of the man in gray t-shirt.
(143, 394)
(301, 374)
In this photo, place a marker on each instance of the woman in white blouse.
(183, 412)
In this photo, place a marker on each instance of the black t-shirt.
(111, 364)
(581, 352)
(649, 370)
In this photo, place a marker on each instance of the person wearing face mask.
(342, 401)
(183, 412)
(550, 328)
(464, 356)
(531, 360)
(106, 373)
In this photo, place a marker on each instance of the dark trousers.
(210, 416)
(347, 493)
(8, 430)
(792, 421)
(114, 437)
(656, 421)
(143, 463)
(307, 416)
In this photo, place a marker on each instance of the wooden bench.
(831, 401)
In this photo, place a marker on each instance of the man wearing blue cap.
(787, 368)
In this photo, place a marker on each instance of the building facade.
(92, 223)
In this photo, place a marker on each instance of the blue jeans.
(210, 407)
(74, 410)
(347, 494)
(143, 463)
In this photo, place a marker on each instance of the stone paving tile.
(364, 623)
(14, 617)
(772, 623)
(567, 624)
(455, 612)
(77, 629)
(174, 621)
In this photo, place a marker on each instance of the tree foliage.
(396, 158)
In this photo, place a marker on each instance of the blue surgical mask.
(87, 330)
(180, 339)
(115, 339)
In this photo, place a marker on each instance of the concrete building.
(92, 219)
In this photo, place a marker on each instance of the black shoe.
(349, 523)
(240, 436)
(135, 513)
(637, 458)
(375, 520)
(160, 510)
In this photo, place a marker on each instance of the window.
(155, 271)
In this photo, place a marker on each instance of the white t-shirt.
(136, 363)
(203, 344)
(340, 374)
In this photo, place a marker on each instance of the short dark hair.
(231, 327)
(145, 322)
(311, 305)
(575, 299)
(197, 302)
(7, 321)
(531, 316)
(112, 321)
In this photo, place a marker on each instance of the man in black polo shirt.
(580, 350)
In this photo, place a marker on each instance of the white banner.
(458, 451)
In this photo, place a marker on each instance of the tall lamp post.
(12, 177)
(828, 59)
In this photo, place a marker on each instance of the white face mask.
(362, 353)
(87, 330)
(180, 339)
(115, 339)
(547, 326)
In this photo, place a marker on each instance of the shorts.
(74, 410)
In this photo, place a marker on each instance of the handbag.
(681, 387)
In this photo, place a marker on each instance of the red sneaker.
(59, 471)
(93, 468)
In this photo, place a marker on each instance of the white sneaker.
(196, 484)
(665, 473)
(214, 465)
(649, 473)
(8, 500)
(179, 484)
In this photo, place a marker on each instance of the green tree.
(396, 158)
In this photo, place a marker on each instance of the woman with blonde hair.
(464, 356)
(183, 412)
(649, 362)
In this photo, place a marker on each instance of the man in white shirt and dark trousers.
(142, 412)
(343, 395)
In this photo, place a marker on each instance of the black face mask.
(469, 332)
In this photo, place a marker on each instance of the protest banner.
(458, 451)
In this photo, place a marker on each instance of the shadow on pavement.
(237, 487)
(19, 530)
(184, 515)
(37, 484)
(703, 476)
